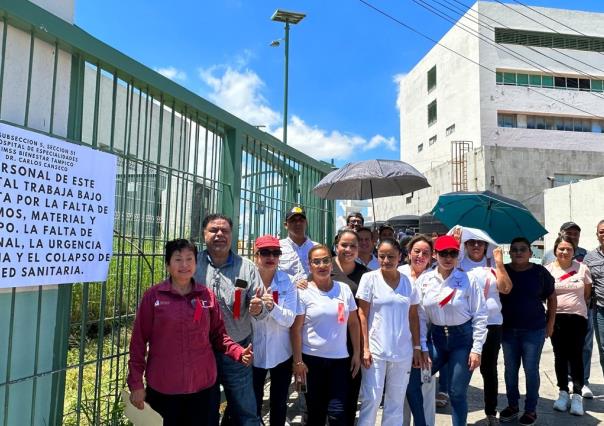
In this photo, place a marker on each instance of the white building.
(511, 115)
(568, 203)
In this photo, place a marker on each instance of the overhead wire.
(457, 22)
(416, 31)
(469, 8)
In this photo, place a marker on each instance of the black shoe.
(508, 414)
(528, 419)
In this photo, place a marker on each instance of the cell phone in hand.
(301, 386)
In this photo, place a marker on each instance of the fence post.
(229, 202)
(63, 313)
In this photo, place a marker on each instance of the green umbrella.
(502, 218)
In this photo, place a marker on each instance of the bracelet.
(299, 363)
(419, 348)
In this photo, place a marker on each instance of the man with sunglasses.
(294, 257)
(235, 282)
(355, 221)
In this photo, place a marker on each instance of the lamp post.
(288, 18)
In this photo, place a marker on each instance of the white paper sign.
(56, 210)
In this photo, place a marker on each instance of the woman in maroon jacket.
(181, 322)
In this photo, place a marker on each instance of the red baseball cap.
(267, 241)
(446, 242)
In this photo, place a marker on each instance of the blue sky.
(344, 61)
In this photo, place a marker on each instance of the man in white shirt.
(294, 258)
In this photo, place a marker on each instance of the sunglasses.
(323, 261)
(518, 249)
(476, 242)
(449, 253)
(268, 252)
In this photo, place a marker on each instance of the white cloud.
(398, 79)
(240, 92)
(172, 73)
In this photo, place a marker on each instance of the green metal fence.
(64, 349)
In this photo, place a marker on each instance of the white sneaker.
(586, 392)
(576, 405)
(563, 401)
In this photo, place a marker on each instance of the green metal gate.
(64, 349)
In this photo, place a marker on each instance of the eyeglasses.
(323, 261)
(449, 253)
(476, 242)
(267, 252)
(518, 249)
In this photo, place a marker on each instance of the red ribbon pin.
(447, 299)
(340, 312)
(237, 304)
(566, 276)
(276, 297)
(197, 314)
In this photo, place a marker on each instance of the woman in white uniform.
(388, 305)
(326, 310)
(454, 306)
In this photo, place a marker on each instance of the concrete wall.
(457, 97)
(579, 202)
(62, 8)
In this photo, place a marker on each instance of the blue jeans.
(599, 332)
(451, 347)
(526, 346)
(237, 381)
(588, 346)
(415, 397)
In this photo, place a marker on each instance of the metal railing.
(64, 349)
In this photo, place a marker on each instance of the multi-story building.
(511, 100)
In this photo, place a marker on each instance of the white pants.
(429, 394)
(394, 376)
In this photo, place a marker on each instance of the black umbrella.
(370, 179)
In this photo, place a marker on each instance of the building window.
(432, 78)
(409, 199)
(548, 122)
(420, 147)
(549, 81)
(432, 140)
(506, 120)
(432, 112)
(450, 129)
(542, 39)
(564, 179)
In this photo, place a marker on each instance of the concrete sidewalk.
(594, 409)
